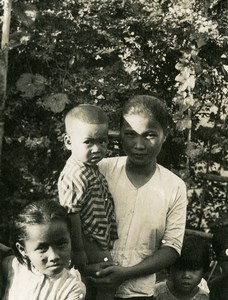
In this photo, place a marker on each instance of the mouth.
(139, 155)
(186, 284)
(96, 158)
(55, 266)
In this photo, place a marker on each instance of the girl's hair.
(194, 255)
(149, 105)
(39, 212)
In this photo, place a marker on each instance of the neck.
(181, 295)
(141, 169)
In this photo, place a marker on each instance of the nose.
(139, 142)
(53, 254)
(95, 148)
(186, 274)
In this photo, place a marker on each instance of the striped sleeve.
(72, 188)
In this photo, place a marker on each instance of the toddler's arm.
(79, 258)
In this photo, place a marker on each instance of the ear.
(67, 141)
(21, 249)
(164, 138)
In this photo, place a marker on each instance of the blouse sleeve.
(176, 219)
(72, 191)
(78, 291)
(103, 166)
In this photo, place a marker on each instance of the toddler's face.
(48, 247)
(185, 281)
(87, 142)
(142, 138)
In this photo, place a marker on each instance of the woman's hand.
(93, 269)
(110, 277)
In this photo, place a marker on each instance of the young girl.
(42, 246)
(186, 273)
(150, 203)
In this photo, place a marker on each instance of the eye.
(151, 135)
(42, 248)
(129, 134)
(88, 142)
(62, 243)
(103, 141)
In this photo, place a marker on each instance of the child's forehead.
(78, 123)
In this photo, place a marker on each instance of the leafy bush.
(68, 52)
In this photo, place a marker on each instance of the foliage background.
(67, 52)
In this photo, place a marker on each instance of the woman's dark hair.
(39, 212)
(194, 255)
(149, 105)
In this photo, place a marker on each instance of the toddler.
(83, 190)
(186, 273)
(219, 286)
(42, 246)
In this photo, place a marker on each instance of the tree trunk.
(4, 66)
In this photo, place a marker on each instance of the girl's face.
(142, 138)
(186, 281)
(48, 247)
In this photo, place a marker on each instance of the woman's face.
(142, 138)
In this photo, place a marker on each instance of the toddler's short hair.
(194, 255)
(87, 113)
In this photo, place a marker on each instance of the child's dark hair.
(87, 113)
(194, 255)
(38, 212)
(220, 239)
(149, 105)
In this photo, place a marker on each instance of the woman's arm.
(112, 277)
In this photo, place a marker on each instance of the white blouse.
(24, 284)
(148, 218)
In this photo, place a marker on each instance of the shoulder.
(7, 265)
(202, 295)
(166, 174)
(112, 164)
(75, 284)
(160, 288)
(76, 172)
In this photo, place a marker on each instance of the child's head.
(144, 128)
(220, 247)
(41, 237)
(86, 133)
(191, 265)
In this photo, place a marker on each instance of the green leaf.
(31, 85)
(56, 103)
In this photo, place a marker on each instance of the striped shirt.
(83, 189)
